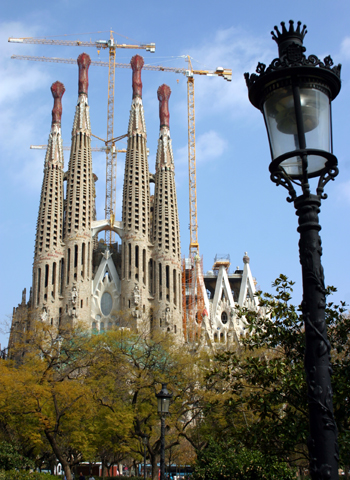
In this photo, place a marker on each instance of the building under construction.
(140, 282)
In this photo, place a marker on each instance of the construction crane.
(111, 151)
(189, 73)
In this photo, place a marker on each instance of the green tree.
(143, 363)
(266, 383)
(231, 461)
(11, 458)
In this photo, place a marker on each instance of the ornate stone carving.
(84, 62)
(44, 314)
(136, 295)
(74, 295)
(136, 63)
(167, 316)
(163, 97)
(57, 90)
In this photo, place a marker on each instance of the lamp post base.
(322, 443)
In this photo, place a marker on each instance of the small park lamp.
(163, 398)
(294, 94)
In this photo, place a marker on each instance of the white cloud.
(230, 48)
(209, 146)
(345, 48)
(21, 112)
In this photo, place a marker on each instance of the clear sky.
(239, 208)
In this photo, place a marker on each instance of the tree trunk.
(153, 461)
(59, 455)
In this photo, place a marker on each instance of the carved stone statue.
(44, 315)
(107, 254)
(136, 295)
(167, 315)
(74, 295)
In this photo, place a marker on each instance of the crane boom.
(78, 43)
(225, 73)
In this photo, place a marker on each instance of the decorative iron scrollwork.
(293, 57)
(324, 179)
(279, 177)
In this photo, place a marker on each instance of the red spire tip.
(57, 90)
(136, 63)
(84, 62)
(163, 97)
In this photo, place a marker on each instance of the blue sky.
(239, 208)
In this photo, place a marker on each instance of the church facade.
(140, 282)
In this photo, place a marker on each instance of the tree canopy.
(71, 396)
(265, 407)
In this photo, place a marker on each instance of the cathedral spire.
(54, 152)
(165, 158)
(81, 122)
(137, 125)
(164, 93)
(136, 202)
(48, 254)
(79, 207)
(57, 90)
(136, 63)
(166, 230)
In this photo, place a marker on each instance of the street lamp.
(294, 95)
(144, 441)
(163, 409)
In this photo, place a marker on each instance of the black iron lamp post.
(144, 441)
(163, 409)
(294, 95)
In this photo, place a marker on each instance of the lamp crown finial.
(284, 34)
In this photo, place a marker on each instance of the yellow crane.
(111, 151)
(189, 73)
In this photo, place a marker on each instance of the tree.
(44, 398)
(266, 383)
(226, 461)
(11, 458)
(143, 363)
(93, 396)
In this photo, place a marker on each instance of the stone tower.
(49, 249)
(79, 209)
(136, 250)
(165, 229)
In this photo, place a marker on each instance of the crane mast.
(111, 153)
(194, 246)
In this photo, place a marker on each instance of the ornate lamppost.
(294, 94)
(163, 409)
